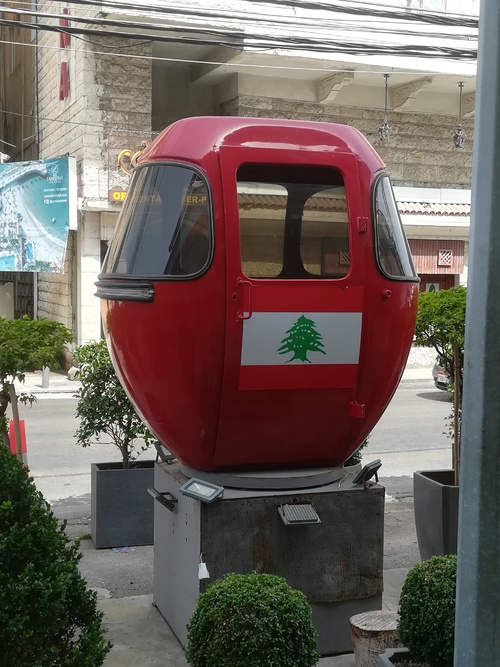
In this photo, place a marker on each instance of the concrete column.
(477, 632)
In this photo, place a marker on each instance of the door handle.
(246, 313)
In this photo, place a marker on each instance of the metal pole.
(477, 630)
(45, 377)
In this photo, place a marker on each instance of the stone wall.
(420, 152)
(107, 110)
(55, 297)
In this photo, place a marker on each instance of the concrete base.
(337, 564)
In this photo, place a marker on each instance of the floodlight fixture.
(165, 498)
(370, 470)
(199, 489)
(162, 453)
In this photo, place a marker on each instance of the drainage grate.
(298, 515)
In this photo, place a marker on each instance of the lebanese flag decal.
(300, 350)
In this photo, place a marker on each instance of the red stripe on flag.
(304, 376)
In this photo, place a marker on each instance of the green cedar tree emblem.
(301, 339)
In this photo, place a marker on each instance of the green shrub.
(25, 346)
(48, 616)
(251, 620)
(356, 458)
(427, 611)
(104, 407)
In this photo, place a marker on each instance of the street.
(410, 436)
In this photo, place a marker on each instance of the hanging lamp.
(384, 131)
(458, 134)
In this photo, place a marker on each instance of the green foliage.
(251, 620)
(103, 406)
(427, 611)
(26, 346)
(355, 458)
(441, 324)
(49, 617)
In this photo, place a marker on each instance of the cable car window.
(392, 251)
(164, 227)
(293, 222)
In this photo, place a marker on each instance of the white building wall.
(109, 100)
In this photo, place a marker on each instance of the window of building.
(445, 257)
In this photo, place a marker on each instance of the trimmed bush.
(48, 616)
(427, 611)
(251, 620)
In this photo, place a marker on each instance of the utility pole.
(477, 630)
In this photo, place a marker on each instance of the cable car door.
(294, 281)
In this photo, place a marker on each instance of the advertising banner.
(37, 208)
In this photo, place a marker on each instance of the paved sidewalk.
(55, 382)
(140, 635)
(142, 638)
(59, 382)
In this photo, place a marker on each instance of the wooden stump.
(371, 633)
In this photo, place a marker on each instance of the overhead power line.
(282, 22)
(240, 40)
(350, 7)
(199, 61)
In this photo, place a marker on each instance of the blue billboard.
(37, 208)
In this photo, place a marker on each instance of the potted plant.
(121, 508)
(251, 620)
(49, 616)
(25, 346)
(426, 623)
(441, 325)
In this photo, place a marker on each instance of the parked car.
(440, 376)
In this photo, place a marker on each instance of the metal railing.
(468, 7)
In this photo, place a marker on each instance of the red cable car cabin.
(259, 297)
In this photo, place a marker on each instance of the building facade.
(92, 90)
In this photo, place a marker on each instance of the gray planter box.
(390, 656)
(121, 507)
(435, 499)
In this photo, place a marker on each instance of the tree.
(104, 407)
(441, 325)
(26, 346)
(302, 338)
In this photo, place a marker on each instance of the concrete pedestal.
(337, 564)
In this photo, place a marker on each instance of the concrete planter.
(121, 507)
(436, 512)
(391, 656)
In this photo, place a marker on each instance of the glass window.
(293, 222)
(164, 227)
(392, 251)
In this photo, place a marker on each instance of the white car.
(440, 376)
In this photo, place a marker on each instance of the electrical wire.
(287, 68)
(351, 7)
(304, 44)
(75, 123)
(339, 25)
